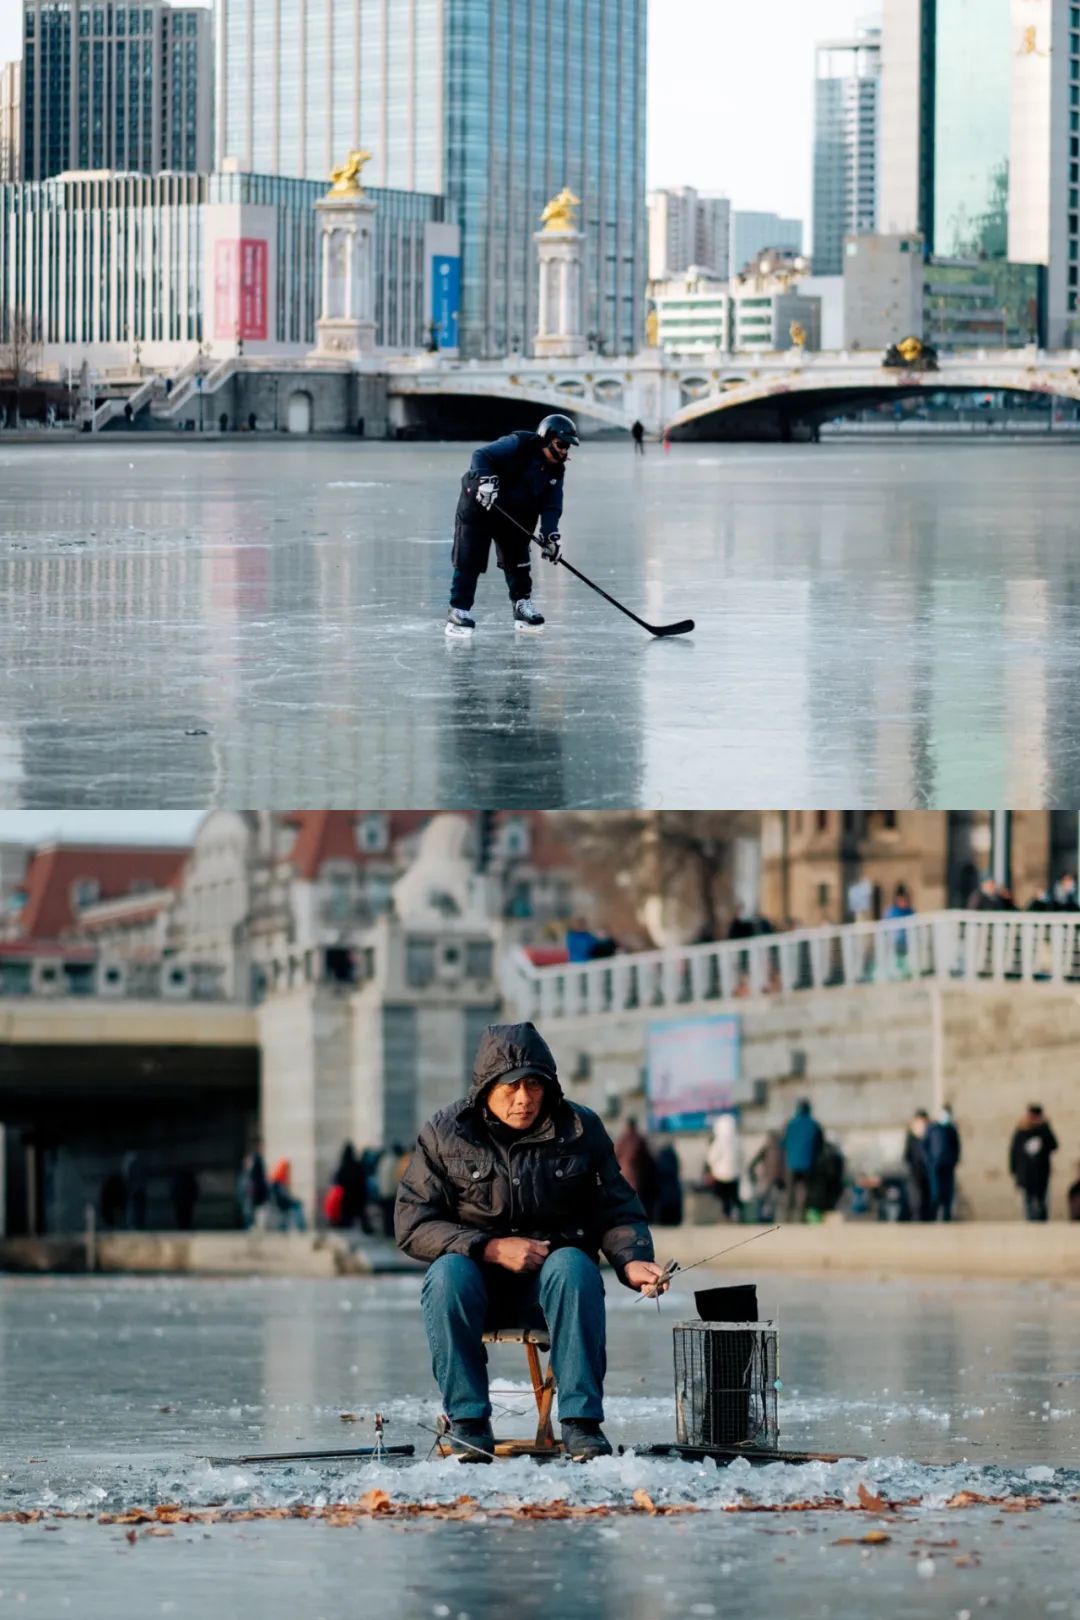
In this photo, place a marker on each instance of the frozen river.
(112, 1392)
(261, 625)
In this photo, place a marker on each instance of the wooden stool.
(536, 1342)
(543, 1444)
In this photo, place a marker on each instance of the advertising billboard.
(445, 299)
(692, 1070)
(241, 270)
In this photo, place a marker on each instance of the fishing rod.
(683, 628)
(377, 1451)
(655, 1289)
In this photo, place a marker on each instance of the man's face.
(517, 1103)
(557, 450)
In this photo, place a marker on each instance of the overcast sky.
(134, 826)
(730, 93)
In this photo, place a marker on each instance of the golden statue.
(559, 213)
(346, 178)
(910, 349)
(1029, 43)
(652, 329)
(797, 334)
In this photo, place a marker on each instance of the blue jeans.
(461, 1298)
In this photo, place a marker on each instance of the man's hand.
(516, 1253)
(644, 1275)
(550, 545)
(487, 491)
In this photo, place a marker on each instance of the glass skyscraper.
(845, 146)
(497, 104)
(973, 52)
(111, 86)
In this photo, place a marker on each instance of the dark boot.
(583, 1439)
(471, 1440)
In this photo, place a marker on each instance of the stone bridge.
(716, 397)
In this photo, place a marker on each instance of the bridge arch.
(457, 405)
(773, 406)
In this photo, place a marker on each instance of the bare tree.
(634, 860)
(20, 353)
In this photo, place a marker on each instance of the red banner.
(241, 270)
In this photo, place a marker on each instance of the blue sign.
(445, 299)
(693, 1071)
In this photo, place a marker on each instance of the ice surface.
(114, 1391)
(262, 624)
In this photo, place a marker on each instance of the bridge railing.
(949, 947)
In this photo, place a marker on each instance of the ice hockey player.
(521, 476)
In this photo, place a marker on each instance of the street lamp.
(203, 354)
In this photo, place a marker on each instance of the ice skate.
(526, 617)
(459, 625)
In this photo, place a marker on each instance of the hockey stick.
(683, 628)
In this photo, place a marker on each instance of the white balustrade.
(951, 947)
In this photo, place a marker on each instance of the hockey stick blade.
(682, 628)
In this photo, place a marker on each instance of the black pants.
(472, 547)
(1035, 1206)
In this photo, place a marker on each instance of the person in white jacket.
(724, 1161)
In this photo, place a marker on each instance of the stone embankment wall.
(867, 1057)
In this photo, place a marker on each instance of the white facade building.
(906, 129)
(693, 314)
(1044, 159)
(133, 272)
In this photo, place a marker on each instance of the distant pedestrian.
(1030, 1151)
(351, 1178)
(386, 1180)
(288, 1211)
(636, 1163)
(134, 1172)
(917, 1167)
(1074, 1199)
(580, 941)
(767, 1174)
(826, 1185)
(803, 1141)
(741, 926)
(253, 1189)
(637, 433)
(724, 1161)
(991, 896)
(184, 1191)
(901, 907)
(942, 1158)
(1065, 896)
(668, 1210)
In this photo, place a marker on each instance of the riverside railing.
(950, 947)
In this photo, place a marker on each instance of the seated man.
(511, 1195)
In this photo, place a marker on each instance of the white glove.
(487, 491)
(550, 545)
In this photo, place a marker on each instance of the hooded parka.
(471, 1179)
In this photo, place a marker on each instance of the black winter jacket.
(530, 487)
(558, 1181)
(1029, 1156)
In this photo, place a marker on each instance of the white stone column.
(346, 325)
(558, 332)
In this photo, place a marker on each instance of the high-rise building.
(496, 104)
(981, 141)
(845, 145)
(946, 88)
(686, 228)
(109, 86)
(10, 122)
(972, 69)
(753, 234)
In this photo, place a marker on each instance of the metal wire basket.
(725, 1384)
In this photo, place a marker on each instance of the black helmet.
(558, 427)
